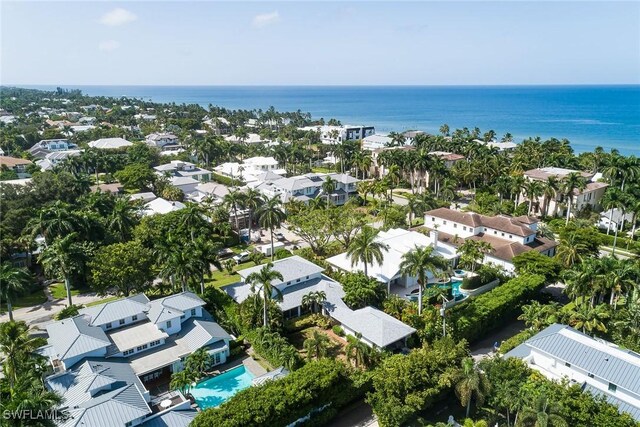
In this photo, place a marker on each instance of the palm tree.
(14, 282)
(357, 351)
(471, 383)
(314, 300)
(366, 248)
(572, 182)
(253, 199)
(472, 251)
(199, 362)
(570, 250)
(261, 281)
(544, 413)
(588, 318)
(328, 187)
(63, 258)
(182, 380)
(181, 263)
(53, 221)
(419, 262)
(233, 199)
(619, 276)
(271, 215)
(316, 345)
(533, 189)
(550, 192)
(16, 343)
(537, 316)
(123, 218)
(192, 218)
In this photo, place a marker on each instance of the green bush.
(299, 324)
(471, 282)
(511, 343)
(319, 390)
(337, 329)
(474, 319)
(282, 254)
(274, 348)
(225, 180)
(485, 274)
(607, 240)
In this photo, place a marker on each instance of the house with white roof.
(399, 242)
(162, 206)
(301, 277)
(105, 358)
(110, 143)
(46, 146)
(589, 196)
(500, 146)
(507, 236)
(160, 140)
(598, 366)
(376, 141)
(252, 170)
(252, 138)
(309, 186)
(54, 158)
(183, 169)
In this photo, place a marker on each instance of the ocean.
(588, 116)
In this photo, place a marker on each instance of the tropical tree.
(261, 283)
(253, 199)
(63, 258)
(56, 220)
(366, 248)
(533, 189)
(233, 200)
(471, 384)
(314, 300)
(14, 282)
(543, 413)
(271, 215)
(587, 318)
(419, 262)
(358, 352)
(182, 380)
(571, 250)
(199, 362)
(572, 182)
(328, 188)
(123, 218)
(16, 345)
(538, 316)
(316, 345)
(472, 251)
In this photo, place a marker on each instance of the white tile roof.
(130, 337)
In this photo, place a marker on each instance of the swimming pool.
(214, 391)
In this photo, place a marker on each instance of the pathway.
(484, 348)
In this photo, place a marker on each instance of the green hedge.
(474, 319)
(225, 180)
(511, 343)
(607, 239)
(274, 348)
(319, 390)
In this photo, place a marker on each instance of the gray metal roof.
(203, 332)
(115, 310)
(623, 406)
(599, 358)
(115, 408)
(74, 337)
(291, 268)
(172, 419)
(173, 306)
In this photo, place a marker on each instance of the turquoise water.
(588, 116)
(214, 391)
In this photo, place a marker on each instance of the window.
(193, 311)
(288, 283)
(134, 318)
(183, 316)
(510, 236)
(168, 324)
(495, 232)
(142, 347)
(127, 352)
(502, 234)
(307, 277)
(154, 343)
(108, 325)
(613, 387)
(122, 321)
(297, 280)
(444, 222)
(567, 364)
(590, 375)
(455, 225)
(216, 358)
(433, 218)
(464, 228)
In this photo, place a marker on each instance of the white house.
(252, 138)
(301, 277)
(589, 196)
(613, 218)
(376, 141)
(399, 242)
(105, 358)
(338, 134)
(252, 170)
(508, 236)
(161, 139)
(46, 146)
(179, 168)
(161, 206)
(18, 165)
(500, 146)
(54, 158)
(599, 367)
(309, 186)
(110, 143)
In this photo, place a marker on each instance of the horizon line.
(320, 85)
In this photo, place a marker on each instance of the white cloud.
(265, 19)
(108, 45)
(118, 16)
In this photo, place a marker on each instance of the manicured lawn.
(58, 291)
(102, 301)
(36, 298)
(222, 278)
(320, 169)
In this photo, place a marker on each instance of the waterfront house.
(337, 134)
(309, 186)
(110, 143)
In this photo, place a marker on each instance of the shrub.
(282, 254)
(471, 282)
(69, 311)
(274, 348)
(511, 343)
(474, 319)
(337, 329)
(318, 390)
(299, 324)
(225, 180)
(485, 274)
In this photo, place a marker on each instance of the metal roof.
(291, 268)
(173, 306)
(74, 337)
(203, 332)
(623, 406)
(172, 419)
(599, 358)
(116, 310)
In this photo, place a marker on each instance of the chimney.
(434, 238)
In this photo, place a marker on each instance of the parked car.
(279, 236)
(241, 257)
(225, 253)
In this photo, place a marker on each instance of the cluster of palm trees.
(196, 367)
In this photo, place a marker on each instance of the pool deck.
(251, 365)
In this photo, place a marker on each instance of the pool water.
(216, 390)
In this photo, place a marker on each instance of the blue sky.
(334, 43)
